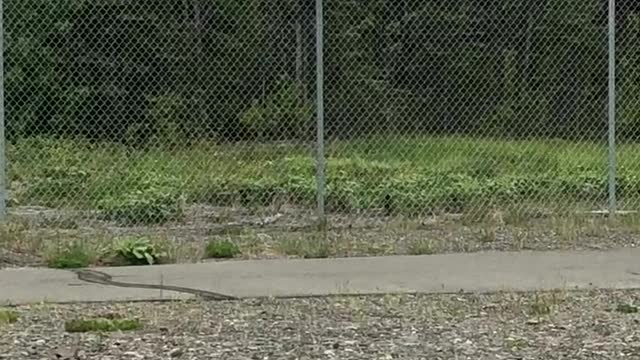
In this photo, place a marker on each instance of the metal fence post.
(3, 182)
(320, 153)
(612, 109)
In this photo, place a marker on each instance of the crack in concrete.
(100, 278)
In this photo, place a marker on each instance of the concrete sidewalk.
(481, 272)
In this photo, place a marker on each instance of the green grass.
(403, 175)
(70, 256)
(223, 249)
(8, 316)
(627, 309)
(101, 325)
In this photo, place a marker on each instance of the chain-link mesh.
(188, 119)
(196, 118)
(483, 123)
(628, 104)
(458, 106)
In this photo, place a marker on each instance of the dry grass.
(24, 243)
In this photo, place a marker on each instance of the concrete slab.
(29, 286)
(480, 272)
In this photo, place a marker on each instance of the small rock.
(329, 353)
(40, 342)
(64, 354)
(133, 354)
(533, 322)
(264, 237)
(177, 352)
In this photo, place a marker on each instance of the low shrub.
(627, 309)
(223, 249)
(134, 251)
(101, 325)
(55, 184)
(70, 256)
(151, 202)
(8, 316)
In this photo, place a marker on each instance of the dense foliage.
(176, 70)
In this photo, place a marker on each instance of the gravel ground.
(561, 325)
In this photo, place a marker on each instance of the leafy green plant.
(224, 249)
(57, 183)
(135, 251)
(8, 316)
(101, 325)
(153, 202)
(70, 256)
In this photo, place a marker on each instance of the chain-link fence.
(466, 105)
(198, 118)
